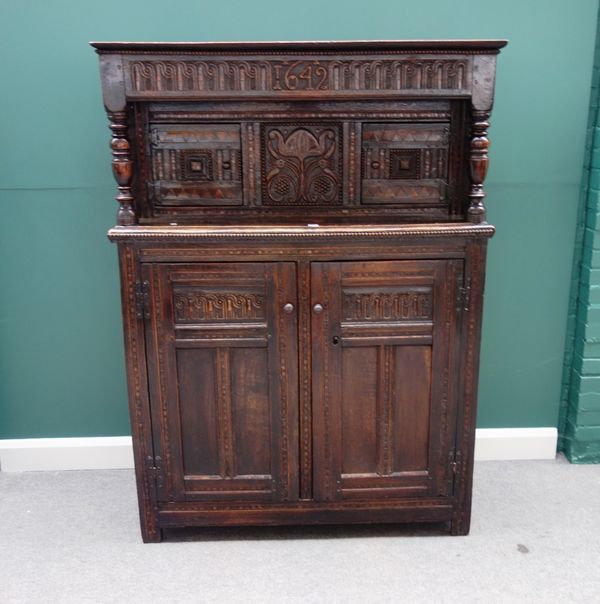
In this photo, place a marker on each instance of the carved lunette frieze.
(379, 306)
(306, 74)
(192, 306)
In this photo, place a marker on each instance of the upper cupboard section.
(300, 160)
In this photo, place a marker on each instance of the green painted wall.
(61, 360)
(579, 418)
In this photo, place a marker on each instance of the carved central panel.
(302, 164)
(193, 306)
(387, 305)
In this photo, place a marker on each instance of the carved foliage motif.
(298, 75)
(301, 164)
(193, 306)
(379, 306)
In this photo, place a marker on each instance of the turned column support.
(478, 164)
(122, 166)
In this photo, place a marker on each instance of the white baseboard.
(515, 443)
(113, 452)
(82, 453)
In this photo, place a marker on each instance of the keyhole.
(335, 339)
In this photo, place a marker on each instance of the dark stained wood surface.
(302, 239)
(383, 377)
(224, 387)
(306, 46)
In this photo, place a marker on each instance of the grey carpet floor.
(73, 537)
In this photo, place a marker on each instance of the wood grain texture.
(228, 429)
(302, 242)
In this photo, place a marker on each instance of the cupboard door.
(222, 354)
(384, 378)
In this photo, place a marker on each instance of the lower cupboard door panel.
(223, 381)
(384, 352)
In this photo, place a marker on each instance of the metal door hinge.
(463, 298)
(153, 189)
(455, 460)
(154, 469)
(154, 137)
(142, 299)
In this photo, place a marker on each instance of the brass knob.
(288, 308)
(318, 308)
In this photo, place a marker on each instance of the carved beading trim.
(278, 49)
(186, 233)
(224, 414)
(313, 505)
(303, 74)
(412, 114)
(305, 393)
(251, 172)
(143, 159)
(139, 424)
(386, 365)
(283, 389)
(327, 445)
(473, 318)
(352, 159)
(162, 373)
(449, 310)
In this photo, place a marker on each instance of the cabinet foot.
(152, 536)
(460, 523)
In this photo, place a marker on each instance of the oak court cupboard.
(302, 238)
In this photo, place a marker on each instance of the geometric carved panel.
(405, 163)
(197, 165)
(302, 164)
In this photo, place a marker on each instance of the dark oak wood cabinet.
(302, 241)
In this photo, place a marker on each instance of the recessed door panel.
(383, 380)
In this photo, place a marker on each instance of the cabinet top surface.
(449, 46)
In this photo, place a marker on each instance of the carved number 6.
(290, 78)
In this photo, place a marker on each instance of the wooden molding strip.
(176, 232)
